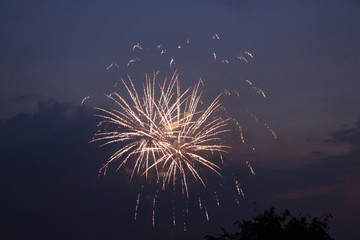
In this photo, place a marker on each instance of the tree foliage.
(269, 225)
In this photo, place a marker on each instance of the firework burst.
(163, 132)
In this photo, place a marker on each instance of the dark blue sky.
(53, 54)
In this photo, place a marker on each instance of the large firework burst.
(162, 131)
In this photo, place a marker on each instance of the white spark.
(83, 100)
(243, 58)
(216, 36)
(130, 62)
(108, 67)
(250, 167)
(172, 61)
(249, 54)
(137, 46)
(270, 130)
(260, 91)
(249, 82)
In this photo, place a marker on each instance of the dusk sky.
(55, 54)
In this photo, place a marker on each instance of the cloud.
(50, 189)
(324, 174)
(330, 184)
(13, 105)
(49, 183)
(350, 136)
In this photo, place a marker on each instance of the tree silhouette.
(269, 225)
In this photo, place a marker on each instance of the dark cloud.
(50, 187)
(49, 179)
(329, 184)
(13, 105)
(327, 169)
(350, 136)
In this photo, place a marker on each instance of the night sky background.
(55, 53)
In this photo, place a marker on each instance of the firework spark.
(132, 61)
(216, 36)
(164, 133)
(172, 61)
(243, 58)
(83, 100)
(214, 55)
(137, 46)
(249, 54)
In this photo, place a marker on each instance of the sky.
(55, 54)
